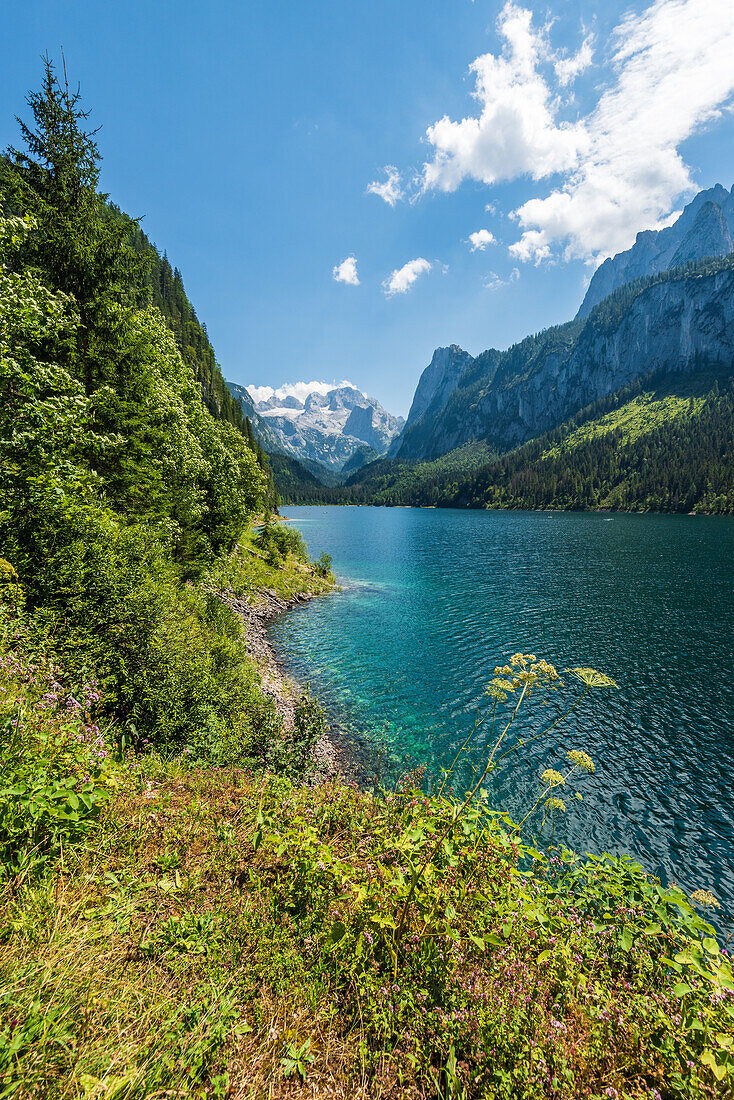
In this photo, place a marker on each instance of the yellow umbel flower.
(552, 777)
(523, 671)
(592, 678)
(580, 759)
(705, 897)
(556, 804)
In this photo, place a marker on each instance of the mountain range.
(663, 309)
(332, 424)
(665, 304)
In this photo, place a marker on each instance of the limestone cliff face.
(434, 389)
(673, 323)
(709, 235)
(705, 228)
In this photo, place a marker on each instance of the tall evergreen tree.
(76, 248)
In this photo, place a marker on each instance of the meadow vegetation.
(170, 928)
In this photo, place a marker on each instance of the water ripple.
(433, 600)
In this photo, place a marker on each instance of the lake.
(432, 600)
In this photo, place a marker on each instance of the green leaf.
(681, 988)
(625, 940)
(543, 956)
(477, 942)
(708, 1059)
(338, 931)
(711, 945)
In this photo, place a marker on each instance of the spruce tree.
(76, 246)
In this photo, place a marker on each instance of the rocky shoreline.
(282, 688)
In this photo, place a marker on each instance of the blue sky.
(248, 133)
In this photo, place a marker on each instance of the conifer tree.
(77, 247)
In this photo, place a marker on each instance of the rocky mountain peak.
(704, 228)
(323, 423)
(435, 386)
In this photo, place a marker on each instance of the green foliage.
(119, 491)
(216, 932)
(297, 1059)
(54, 181)
(323, 565)
(662, 444)
(277, 541)
(54, 765)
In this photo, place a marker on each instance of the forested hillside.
(162, 286)
(123, 494)
(663, 444)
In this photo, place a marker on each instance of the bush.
(278, 541)
(323, 565)
(55, 767)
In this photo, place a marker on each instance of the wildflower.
(705, 897)
(592, 678)
(523, 671)
(552, 777)
(580, 759)
(368, 937)
(556, 804)
(498, 688)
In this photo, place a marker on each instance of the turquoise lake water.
(433, 600)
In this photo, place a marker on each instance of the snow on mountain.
(324, 421)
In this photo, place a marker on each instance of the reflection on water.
(432, 600)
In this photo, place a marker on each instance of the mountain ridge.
(323, 425)
(657, 250)
(507, 397)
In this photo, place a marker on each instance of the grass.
(176, 956)
(288, 573)
(217, 932)
(677, 397)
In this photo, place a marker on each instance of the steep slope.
(324, 424)
(664, 443)
(434, 388)
(676, 321)
(294, 479)
(705, 228)
(266, 437)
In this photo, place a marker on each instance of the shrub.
(55, 766)
(323, 565)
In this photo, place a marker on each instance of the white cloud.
(402, 279)
(346, 272)
(391, 189)
(568, 68)
(490, 208)
(516, 132)
(299, 390)
(481, 239)
(669, 73)
(495, 281)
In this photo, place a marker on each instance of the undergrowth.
(174, 930)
